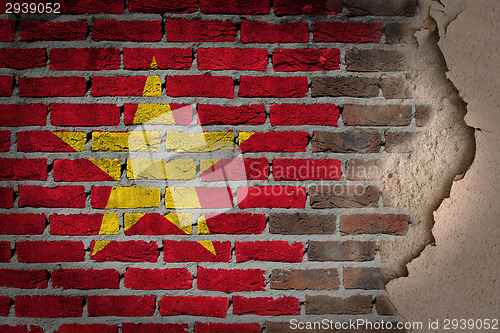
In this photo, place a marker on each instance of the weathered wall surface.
(113, 215)
(458, 276)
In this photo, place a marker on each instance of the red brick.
(92, 6)
(304, 169)
(381, 7)
(302, 114)
(130, 251)
(24, 279)
(200, 86)
(377, 115)
(6, 197)
(52, 86)
(86, 279)
(347, 32)
(6, 85)
(161, 7)
(91, 59)
(300, 7)
(237, 169)
(81, 170)
(5, 306)
(374, 224)
(20, 328)
(354, 305)
(245, 7)
(292, 60)
(316, 279)
(84, 114)
(186, 251)
(156, 328)
(263, 32)
(283, 141)
(142, 58)
(75, 224)
(194, 306)
(23, 169)
(55, 197)
(5, 251)
(121, 306)
(48, 306)
(4, 141)
(7, 30)
(231, 280)
(86, 328)
(34, 141)
(18, 58)
(13, 115)
(236, 59)
(266, 306)
(152, 279)
(22, 224)
(269, 251)
(182, 113)
(53, 31)
(341, 251)
(271, 197)
(118, 85)
(231, 115)
(235, 224)
(127, 31)
(363, 278)
(153, 224)
(273, 86)
(40, 251)
(227, 328)
(181, 30)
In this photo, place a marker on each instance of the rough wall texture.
(463, 264)
(117, 211)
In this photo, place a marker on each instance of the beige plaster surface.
(458, 276)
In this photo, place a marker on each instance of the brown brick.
(363, 278)
(398, 33)
(317, 279)
(345, 86)
(341, 251)
(400, 142)
(376, 115)
(357, 169)
(343, 196)
(385, 307)
(374, 224)
(396, 88)
(422, 115)
(301, 224)
(323, 304)
(374, 60)
(381, 7)
(284, 327)
(346, 142)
